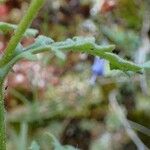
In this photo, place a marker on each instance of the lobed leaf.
(40, 41)
(88, 45)
(78, 44)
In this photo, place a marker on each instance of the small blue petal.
(98, 66)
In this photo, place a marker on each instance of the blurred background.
(79, 99)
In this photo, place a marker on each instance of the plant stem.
(8, 56)
(24, 24)
(2, 119)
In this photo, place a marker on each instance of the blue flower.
(98, 66)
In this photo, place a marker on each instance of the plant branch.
(24, 24)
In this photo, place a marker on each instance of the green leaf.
(44, 41)
(76, 43)
(34, 146)
(7, 27)
(88, 45)
(40, 41)
(81, 39)
(80, 44)
(121, 64)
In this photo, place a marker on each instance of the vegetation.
(15, 52)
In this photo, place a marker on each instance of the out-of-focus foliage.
(58, 146)
(128, 41)
(55, 95)
(130, 13)
(34, 146)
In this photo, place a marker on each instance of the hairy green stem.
(2, 122)
(8, 56)
(24, 24)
